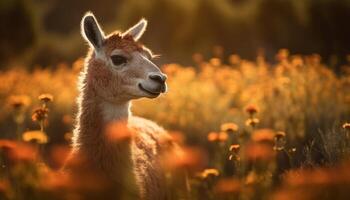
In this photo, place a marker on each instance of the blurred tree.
(17, 31)
(65, 15)
(178, 28)
(329, 24)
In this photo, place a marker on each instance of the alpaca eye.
(118, 60)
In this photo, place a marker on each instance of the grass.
(249, 129)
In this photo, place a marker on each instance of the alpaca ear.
(91, 31)
(137, 30)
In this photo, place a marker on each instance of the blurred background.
(37, 32)
(241, 73)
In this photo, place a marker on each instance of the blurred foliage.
(299, 95)
(248, 130)
(50, 29)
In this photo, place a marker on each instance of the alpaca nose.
(160, 78)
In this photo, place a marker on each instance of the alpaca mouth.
(148, 91)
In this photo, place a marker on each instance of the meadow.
(249, 129)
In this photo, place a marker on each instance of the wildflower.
(213, 136)
(230, 157)
(40, 114)
(251, 110)
(37, 136)
(234, 59)
(235, 148)
(251, 178)
(280, 134)
(315, 59)
(280, 140)
(258, 151)
(209, 173)
(226, 186)
(292, 150)
(19, 101)
(282, 55)
(297, 60)
(118, 132)
(45, 98)
(192, 159)
(223, 136)
(263, 135)
(229, 127)
(252, 122)
(17, 151)
(215, 62)
(346, 126)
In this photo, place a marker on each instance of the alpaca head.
(120, 68)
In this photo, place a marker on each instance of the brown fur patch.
(126, 43)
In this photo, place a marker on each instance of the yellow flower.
(18, 101)
(45, 98)
(346, 126)
(229, 127)
(280, 134)
(209, 173)
(37, 136)
(235, 148)
(252, 122)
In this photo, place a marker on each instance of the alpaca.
(117, 70)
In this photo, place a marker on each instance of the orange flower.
(118, 132)
(251, 109)
(258, 151)
(40, 114)
(227, 186)
(213, 136)
(229, 127)
(263, 135)
(45, 97)
(18, 151)
(223, 136)
(193, 159)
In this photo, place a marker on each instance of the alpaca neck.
(95, 114)
(115, 112)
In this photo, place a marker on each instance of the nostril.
(165, 77)
(158, 78)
